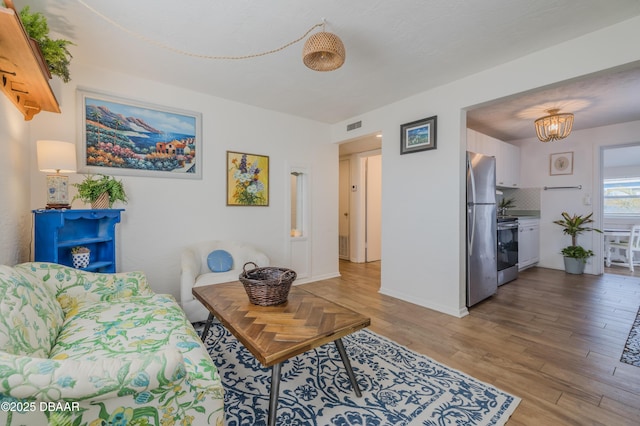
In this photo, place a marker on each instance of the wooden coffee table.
(274, 334)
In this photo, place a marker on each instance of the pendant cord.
(196, 55)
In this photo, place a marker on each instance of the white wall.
(164, 215)
(15, 218)
(586, 146)
(423, 225)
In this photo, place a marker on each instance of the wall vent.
(354, 126)
(343, 246)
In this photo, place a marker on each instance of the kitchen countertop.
(524, 214)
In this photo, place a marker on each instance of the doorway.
(344, 215)
(360, 193)
(620, 197)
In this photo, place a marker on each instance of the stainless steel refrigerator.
(482, 268)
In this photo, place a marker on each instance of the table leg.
(347, 366)
(273, 395)
(207, 326)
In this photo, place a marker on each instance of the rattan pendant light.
(323, 51)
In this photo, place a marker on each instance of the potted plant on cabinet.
(102, 192)
(80, 257)
(575, 256)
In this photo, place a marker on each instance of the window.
(622, 197)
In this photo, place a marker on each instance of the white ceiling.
(599, 100)
(394, 49)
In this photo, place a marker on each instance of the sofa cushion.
(128, 329)
(103, 378)
(30, 316)
(220, 261)
(217, 277)
(75, 287)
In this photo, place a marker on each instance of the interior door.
(374, 209)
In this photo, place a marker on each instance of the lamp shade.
(56, 156)
(323, 52)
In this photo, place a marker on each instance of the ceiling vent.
(354, 126)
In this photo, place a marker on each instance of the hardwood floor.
(622, 270)
(550, 338)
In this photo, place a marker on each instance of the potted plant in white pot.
(80, 256)
(575, 256)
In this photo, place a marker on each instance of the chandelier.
(554, 126)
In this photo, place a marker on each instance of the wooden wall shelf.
(23, 79)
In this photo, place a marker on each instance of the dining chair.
(630, 247)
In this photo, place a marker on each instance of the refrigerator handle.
(471, 208)
(473, 182)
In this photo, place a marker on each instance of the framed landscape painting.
(418, 135)
(247, 179)
(126, 137)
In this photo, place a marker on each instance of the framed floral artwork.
(247, 179)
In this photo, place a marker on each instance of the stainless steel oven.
(507, 252)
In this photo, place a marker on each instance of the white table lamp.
(57, 157)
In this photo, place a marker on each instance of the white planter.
(80, 260)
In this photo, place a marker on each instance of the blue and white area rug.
(631, 352)
(399, 387)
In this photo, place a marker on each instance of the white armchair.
(195, 271)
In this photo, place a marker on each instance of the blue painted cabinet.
(56, 232)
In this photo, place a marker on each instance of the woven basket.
(267, 286)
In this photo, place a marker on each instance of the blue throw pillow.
(220, 261)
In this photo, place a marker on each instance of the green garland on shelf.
(55, 52)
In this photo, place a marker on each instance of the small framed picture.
(418, 135)
(561, 163)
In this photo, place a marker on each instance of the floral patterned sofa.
(81, 348)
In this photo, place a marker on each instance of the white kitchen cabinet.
(508, 166)
(482, 144)
(528, 242)
(472, 141)
(507, 157)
